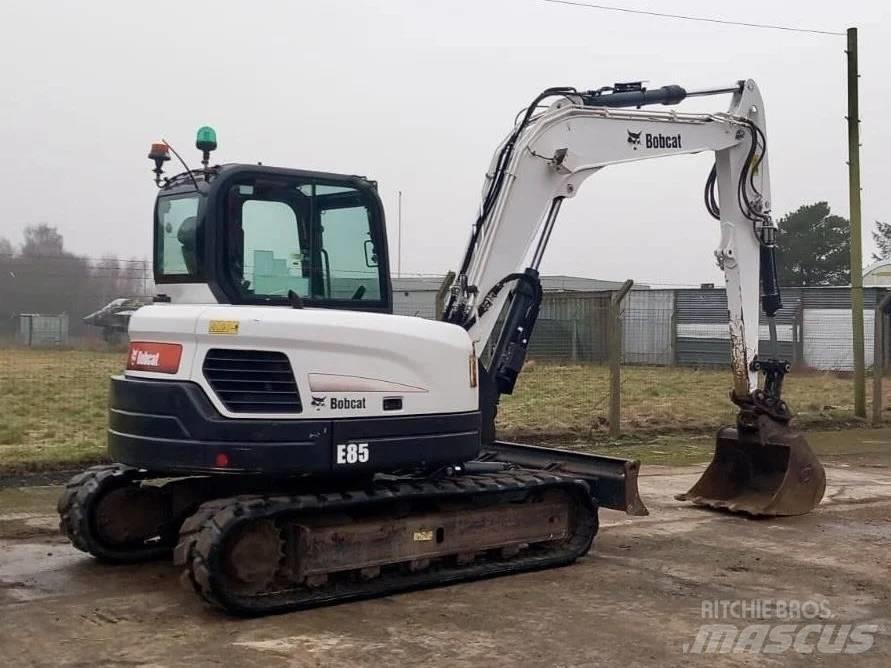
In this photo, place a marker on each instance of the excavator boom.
(545, 160)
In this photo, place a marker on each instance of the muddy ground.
(635, 600)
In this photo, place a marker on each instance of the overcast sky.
(416, 94)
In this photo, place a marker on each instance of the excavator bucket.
(768, 471)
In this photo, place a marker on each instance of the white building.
(877, 274)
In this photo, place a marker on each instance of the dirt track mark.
(31, 527)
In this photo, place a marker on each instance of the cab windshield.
(313, 239)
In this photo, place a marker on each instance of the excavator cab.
(259, 235)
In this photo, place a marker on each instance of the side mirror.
(370, 254)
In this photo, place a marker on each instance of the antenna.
(178, 157)
(399, 236)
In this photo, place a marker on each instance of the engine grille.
(252, 381)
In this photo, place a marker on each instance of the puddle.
(30, 571)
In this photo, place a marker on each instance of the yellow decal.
(222, 327)
(422, 536)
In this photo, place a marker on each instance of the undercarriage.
(253, 545)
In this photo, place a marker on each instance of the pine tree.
(882, 238)
(814, 247)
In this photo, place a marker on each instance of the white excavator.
(293, 443)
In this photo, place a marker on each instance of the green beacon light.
(206, 141)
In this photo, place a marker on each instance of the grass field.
(573, 401)
(53, 407)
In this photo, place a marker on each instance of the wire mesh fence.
(58, 349)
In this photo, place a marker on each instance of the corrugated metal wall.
(828, 338)
(648, 327)
(810, 326)
(835, 297)
(686, 326)
(702, 333)
(697, 342)
(571, 327)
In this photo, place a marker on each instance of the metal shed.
(648, 327)
(416, 295)
(39, 330)
(813, 327)
(571, 327)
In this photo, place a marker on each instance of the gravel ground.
(636, 600)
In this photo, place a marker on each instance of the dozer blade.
(613, 481)
(766, 471)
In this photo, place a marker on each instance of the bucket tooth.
(767, 471)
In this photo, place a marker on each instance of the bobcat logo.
(318, 402)
(634, 139)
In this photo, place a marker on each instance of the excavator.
(292, 443)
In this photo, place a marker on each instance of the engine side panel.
(346, 364)
(171, 427)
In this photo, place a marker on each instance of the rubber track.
(75, 508)
(203, 537)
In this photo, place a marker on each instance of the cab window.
(177, 240)
(348, 254)
(271, 257)
(313, 239)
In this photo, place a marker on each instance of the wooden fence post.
(614, 351)
(443, 292)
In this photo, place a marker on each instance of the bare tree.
(45, 278)
(43, 241)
